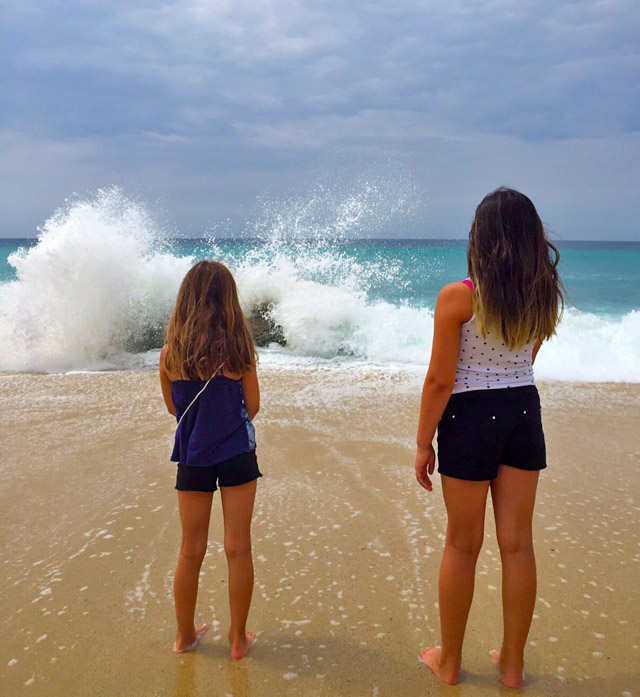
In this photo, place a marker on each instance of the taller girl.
(480, 394)
(209, 382)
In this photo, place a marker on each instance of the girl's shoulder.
(221, 373)
(458, 290)
(163, 365)
(456, 299)
(465, 284)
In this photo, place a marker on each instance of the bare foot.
(431, 657)
(240, 648)
(190, 644)
(509, 677)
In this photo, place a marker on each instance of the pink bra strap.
(468, 282)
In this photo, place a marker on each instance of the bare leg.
(466, 503)
(513, 494)
(237, 508)
(195, 512)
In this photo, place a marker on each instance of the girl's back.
(209, 383)
(481, 397)
(486, 362)
(216, 427)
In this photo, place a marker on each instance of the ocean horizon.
(93, 292)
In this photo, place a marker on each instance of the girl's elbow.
(439, 384)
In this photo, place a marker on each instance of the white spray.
(85, 296)
(96, 290)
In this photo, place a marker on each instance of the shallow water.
(346, 545)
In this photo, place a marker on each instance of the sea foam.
(96, 290)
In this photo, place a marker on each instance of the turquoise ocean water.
(95, 289)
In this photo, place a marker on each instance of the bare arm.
(454, 307)
(165, 382)
(251, 391)
(534, 353)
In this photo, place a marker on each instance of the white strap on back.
(199, 393)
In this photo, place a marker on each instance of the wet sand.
(346, 545)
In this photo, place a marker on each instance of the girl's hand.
(425, 464)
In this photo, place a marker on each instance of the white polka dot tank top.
(487, 363)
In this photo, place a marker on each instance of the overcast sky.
(206, 108)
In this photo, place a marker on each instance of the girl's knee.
(513, 540)
(236, 547)
(193, 552)
(465, 541)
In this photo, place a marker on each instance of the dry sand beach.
(346, 545)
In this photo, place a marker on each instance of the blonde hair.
(207, 331)
(518, 294)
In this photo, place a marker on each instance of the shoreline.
(346, 544)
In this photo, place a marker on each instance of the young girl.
(209, 383)
(480, 394)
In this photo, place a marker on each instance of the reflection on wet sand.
(346, 545)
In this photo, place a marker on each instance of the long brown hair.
(518, 294)
(207, 330)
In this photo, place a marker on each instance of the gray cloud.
(210, 102)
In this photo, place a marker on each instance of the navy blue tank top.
(217, 425)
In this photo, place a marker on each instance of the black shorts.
(483, 429)
(237, 470)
